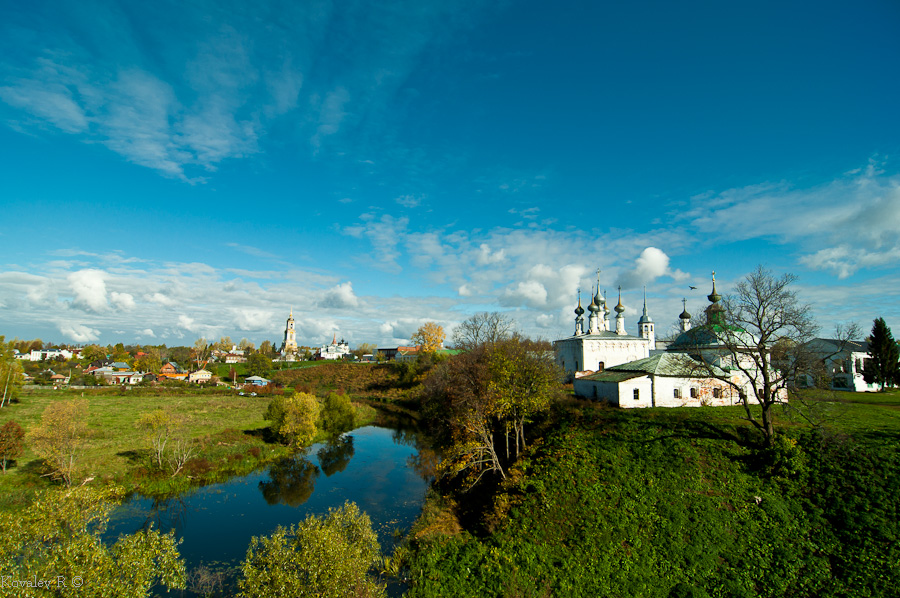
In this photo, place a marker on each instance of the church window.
(600, 367)
(637, 394)
(694, 393)
(676, 393)
(717, 393)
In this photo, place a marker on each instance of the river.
(378, 468)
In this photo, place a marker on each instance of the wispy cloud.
(842, 225)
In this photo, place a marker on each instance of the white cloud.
(409, 201)
(124, 301)
(187, 323)
(842, 225)
(530, 293)
(79, 333)
(148, 332)
(162, 299)
(650, 265)
(89, 287)
(253, 319)
(340, 296)
(487, 257)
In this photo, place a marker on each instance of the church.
(289, 345)
(627, 370)
(598, 347)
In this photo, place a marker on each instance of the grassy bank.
(228, 430)
(677, 502)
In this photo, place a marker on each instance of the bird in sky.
(692, 288)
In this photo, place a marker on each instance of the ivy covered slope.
(675, 503)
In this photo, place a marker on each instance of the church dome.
(579, 310)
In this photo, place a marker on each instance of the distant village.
(112, 371)
(600, 360)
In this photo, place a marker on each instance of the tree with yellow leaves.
(429, 337)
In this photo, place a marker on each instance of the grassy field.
(678, 502)
(229, 430)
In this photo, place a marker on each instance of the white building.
(696, 369)
(200, 376)
(336, 350)
(843, 363)
(599, 348)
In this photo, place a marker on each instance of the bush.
(293, 418)
(337, 414)
(327, 556)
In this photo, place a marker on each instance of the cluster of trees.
(479, 402)
(296, 417)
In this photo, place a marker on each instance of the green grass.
(678, 502)
(228, 428)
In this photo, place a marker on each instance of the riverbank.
(227, 429)
(677, 502)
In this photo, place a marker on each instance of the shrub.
(327, 556)
(293, 418)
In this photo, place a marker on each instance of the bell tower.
(290, 336)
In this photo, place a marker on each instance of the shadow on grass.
(136, 457)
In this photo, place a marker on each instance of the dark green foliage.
(657, 505)
(882, 366)
(258, 364)
(337, 414)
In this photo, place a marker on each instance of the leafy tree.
(59, 437)
(293, 418)
(119, 353)
(246, 345)
(200, 352)
(337, 414)
(225, 343)
(265, 348)
(319, 557)
(365, 349)
(483, 328)
(93, 353)
(429, 337)
(524, 381)
(11, 437)
(882, 366)
(60, 536)
(258, 364)
(148, 363)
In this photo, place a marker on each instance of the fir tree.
(882, 365)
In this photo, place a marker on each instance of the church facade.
(619, 368)
(598, 347)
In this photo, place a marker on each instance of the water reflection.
(336, 454)
(291, 482)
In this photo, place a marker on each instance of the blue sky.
(185, 169)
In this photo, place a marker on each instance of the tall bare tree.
(483, 327)
(756, 335)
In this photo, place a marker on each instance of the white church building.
(619, 368)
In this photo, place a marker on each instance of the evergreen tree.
(883, 365)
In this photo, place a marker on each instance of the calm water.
(377, 468)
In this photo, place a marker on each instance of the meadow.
(678, 502)
(228, 429)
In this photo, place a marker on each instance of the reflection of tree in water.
(425, 460)
(292, 482)
(334, 456)
(166, 514)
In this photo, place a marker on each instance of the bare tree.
(483, 327)
(757, 337)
